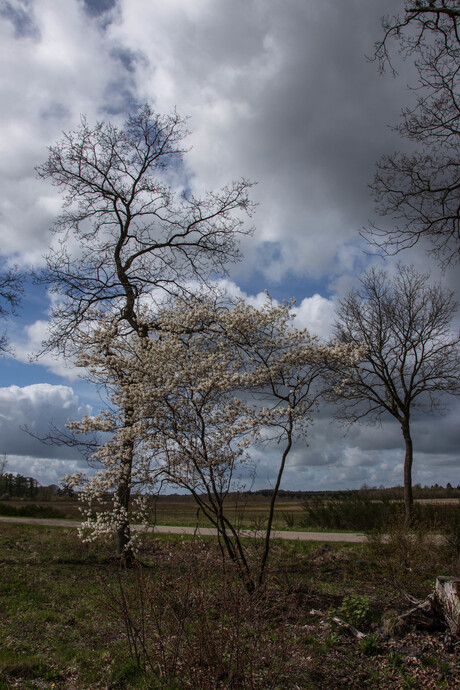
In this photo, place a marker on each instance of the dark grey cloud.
(282, 93)
(98, 7)
(128, 58)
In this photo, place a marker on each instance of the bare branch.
(135, 237)
(420, 192)
(11, 291)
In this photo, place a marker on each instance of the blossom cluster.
(188, 402)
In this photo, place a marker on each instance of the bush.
(355, 510)
(406, 559)
(32, 511)
(354, 609)
(188, 621)
(350, 511)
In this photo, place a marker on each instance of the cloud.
(45, 470)
(30, 342)
(317, 314)
(280, 93)
(374, 454)
(55, 65)
(36, 407)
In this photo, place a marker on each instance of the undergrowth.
(354, 510)
(70, 616)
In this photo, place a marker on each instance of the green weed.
(354, 609)
(369, 645)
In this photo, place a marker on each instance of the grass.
(349, 511)
(174, 511)
(71, 619)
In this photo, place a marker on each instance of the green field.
(71, 619)
(346, 511)
(168, 510)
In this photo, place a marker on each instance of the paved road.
(346, 537)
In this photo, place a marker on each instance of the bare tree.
(420, 191)
(132, 237)
(411, 353)
(11, 291)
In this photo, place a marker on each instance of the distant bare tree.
(11, 291)
(412, 354)
(420, 191)
(131, 238)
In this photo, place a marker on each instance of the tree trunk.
(124, 549)
(448, 596)
(264, 558)
(408, 497)
(441, 608)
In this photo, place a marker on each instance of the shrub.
(355, 510)
(188, 621)
(32, 511)
(406, 559)
(354, 610)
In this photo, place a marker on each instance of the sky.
(277, 91)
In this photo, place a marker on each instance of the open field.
(349, 512)
(182, 511)
(71, 619)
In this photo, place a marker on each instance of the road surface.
(345, 537)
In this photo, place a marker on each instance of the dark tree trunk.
(266, 550)
(408, 497)
(124, 549)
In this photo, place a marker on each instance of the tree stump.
(448, 597)
(440, 609)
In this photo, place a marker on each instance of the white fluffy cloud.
(44, 470)
(30, 341)
(317, 315)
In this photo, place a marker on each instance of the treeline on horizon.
(372, 492)
(14, 485)
(18, 486)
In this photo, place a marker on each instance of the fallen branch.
(350, 628)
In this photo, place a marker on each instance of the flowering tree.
(131, 236)
(211, 384)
